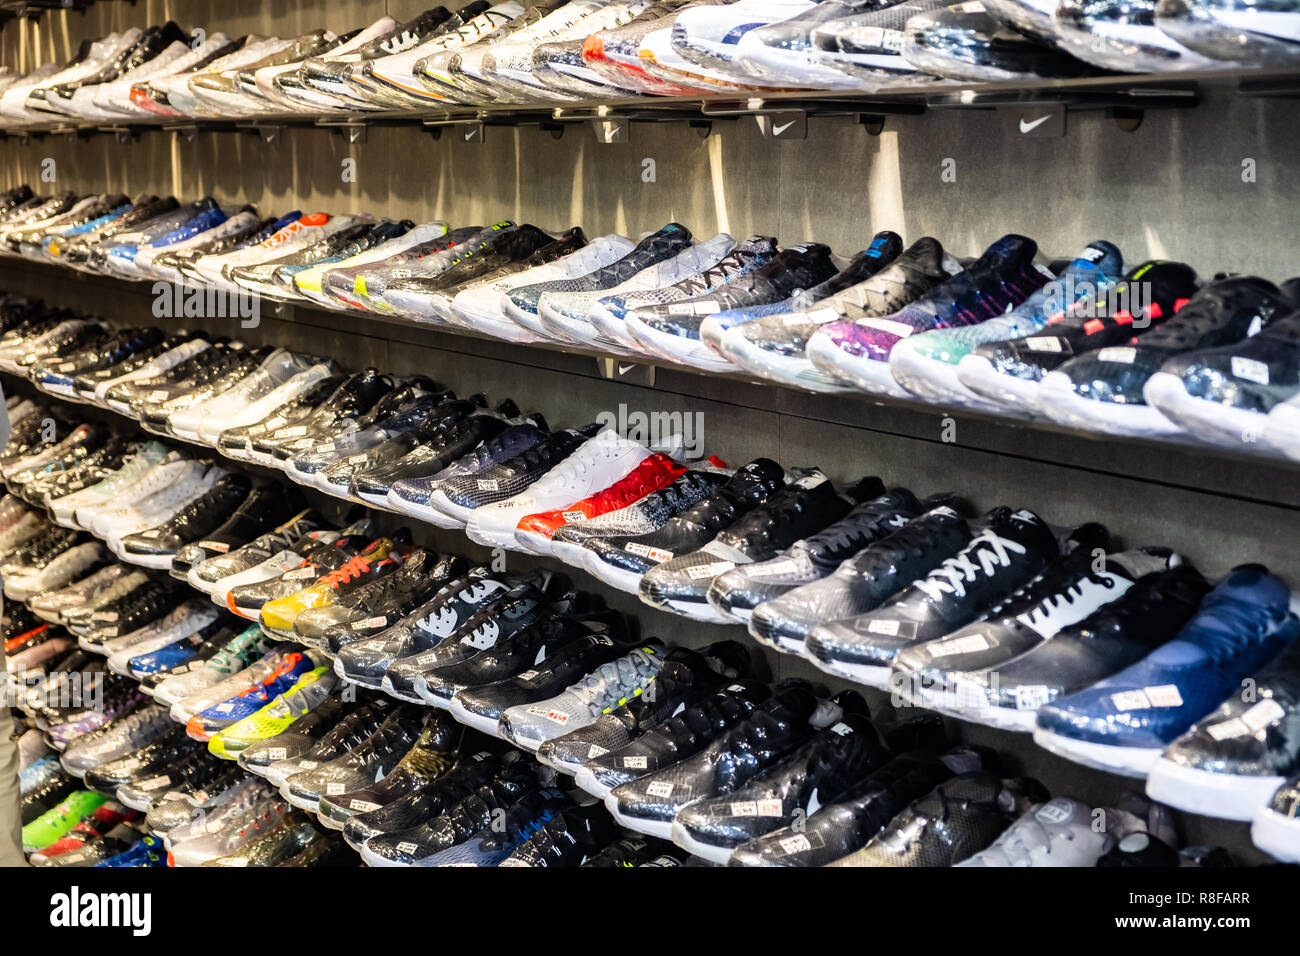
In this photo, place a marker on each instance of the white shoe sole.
(425, 513)
(586, 781)
(1277, 835)
(677, 348)
(866, 375)
(977, 373)
(934, 381)
(620, 578)
(1126, 761)
(1058, 400)
(701, 611)
(655, 828)
(868, 675)
(797, 371)
(705, 851)
(1210, 421)
(487, 725)
(1223, 795)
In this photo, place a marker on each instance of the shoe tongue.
(1024, 527)
(1101, 256)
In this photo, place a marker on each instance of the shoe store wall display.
(401, 474)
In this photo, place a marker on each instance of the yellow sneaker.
(278, 616)
(312, 688)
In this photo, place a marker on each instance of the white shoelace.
(988, 549)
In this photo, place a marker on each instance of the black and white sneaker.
(680, 736)
(950, 675)
(863, 582)
(1012, 548)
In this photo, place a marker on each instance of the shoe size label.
(635, 763)
(555, 716)
(773, 569)
(711, 570)
(1148, 698)
(1045, 343)
(961, 645)
(278, 753)
(756, 808)
(301, 574)
(1118, 355)
(1250, 369)
(219, 546)
(1257, 718)
(660, 789)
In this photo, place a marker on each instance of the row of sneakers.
(780, 552)
(729, 769)
(562, 51)
(1150, 351)
(575, 731)
(795, 540)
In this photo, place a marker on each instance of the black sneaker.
(674, 330)
(685, 679)
(1103, 390)
(424, 804)
(683, 585)
(366, 662)
(1012, 548)
(140, 607)
(434, 752)
(145, 762)
(457, 823)
(862, 584)
(370, 761)
(356, 396)
(376, 484)
(777, 726)
(263, 508)
(338, 731)
(418, 568)
(824, 768)
(157, 547)
(283, 537)
(1150, 613)
(496, 620)
(783, 620)
(570, 838)
(740, 591)
(680, 736)
(957, 819)
(458, 496)
(528, 647)
(622, 562)
(482, 707)
(950, 675)
(841, 828)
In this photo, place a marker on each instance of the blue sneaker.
(164, 659)
(1123, 723)
(38, 773)
(221, 715)
(149, 851)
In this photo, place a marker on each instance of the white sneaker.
(210, 429)
(140, 497)
(597, 464)
(278, 367)
(134, 467)
(155, 366)
(178, 624)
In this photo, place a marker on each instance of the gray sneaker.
(1061, 832)
(127, 734)
(607, 687)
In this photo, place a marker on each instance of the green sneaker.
(53, 824)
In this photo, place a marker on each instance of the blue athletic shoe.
(38, 773)
(1123, 723)
(149, 851)
(164, 659)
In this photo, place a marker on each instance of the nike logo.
(609, 136)
(624, 369)
(469, 134)
(814, 804)
(778, 130)
(1030, 127)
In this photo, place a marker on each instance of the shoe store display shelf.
(1124, 98)
(1196, 167)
